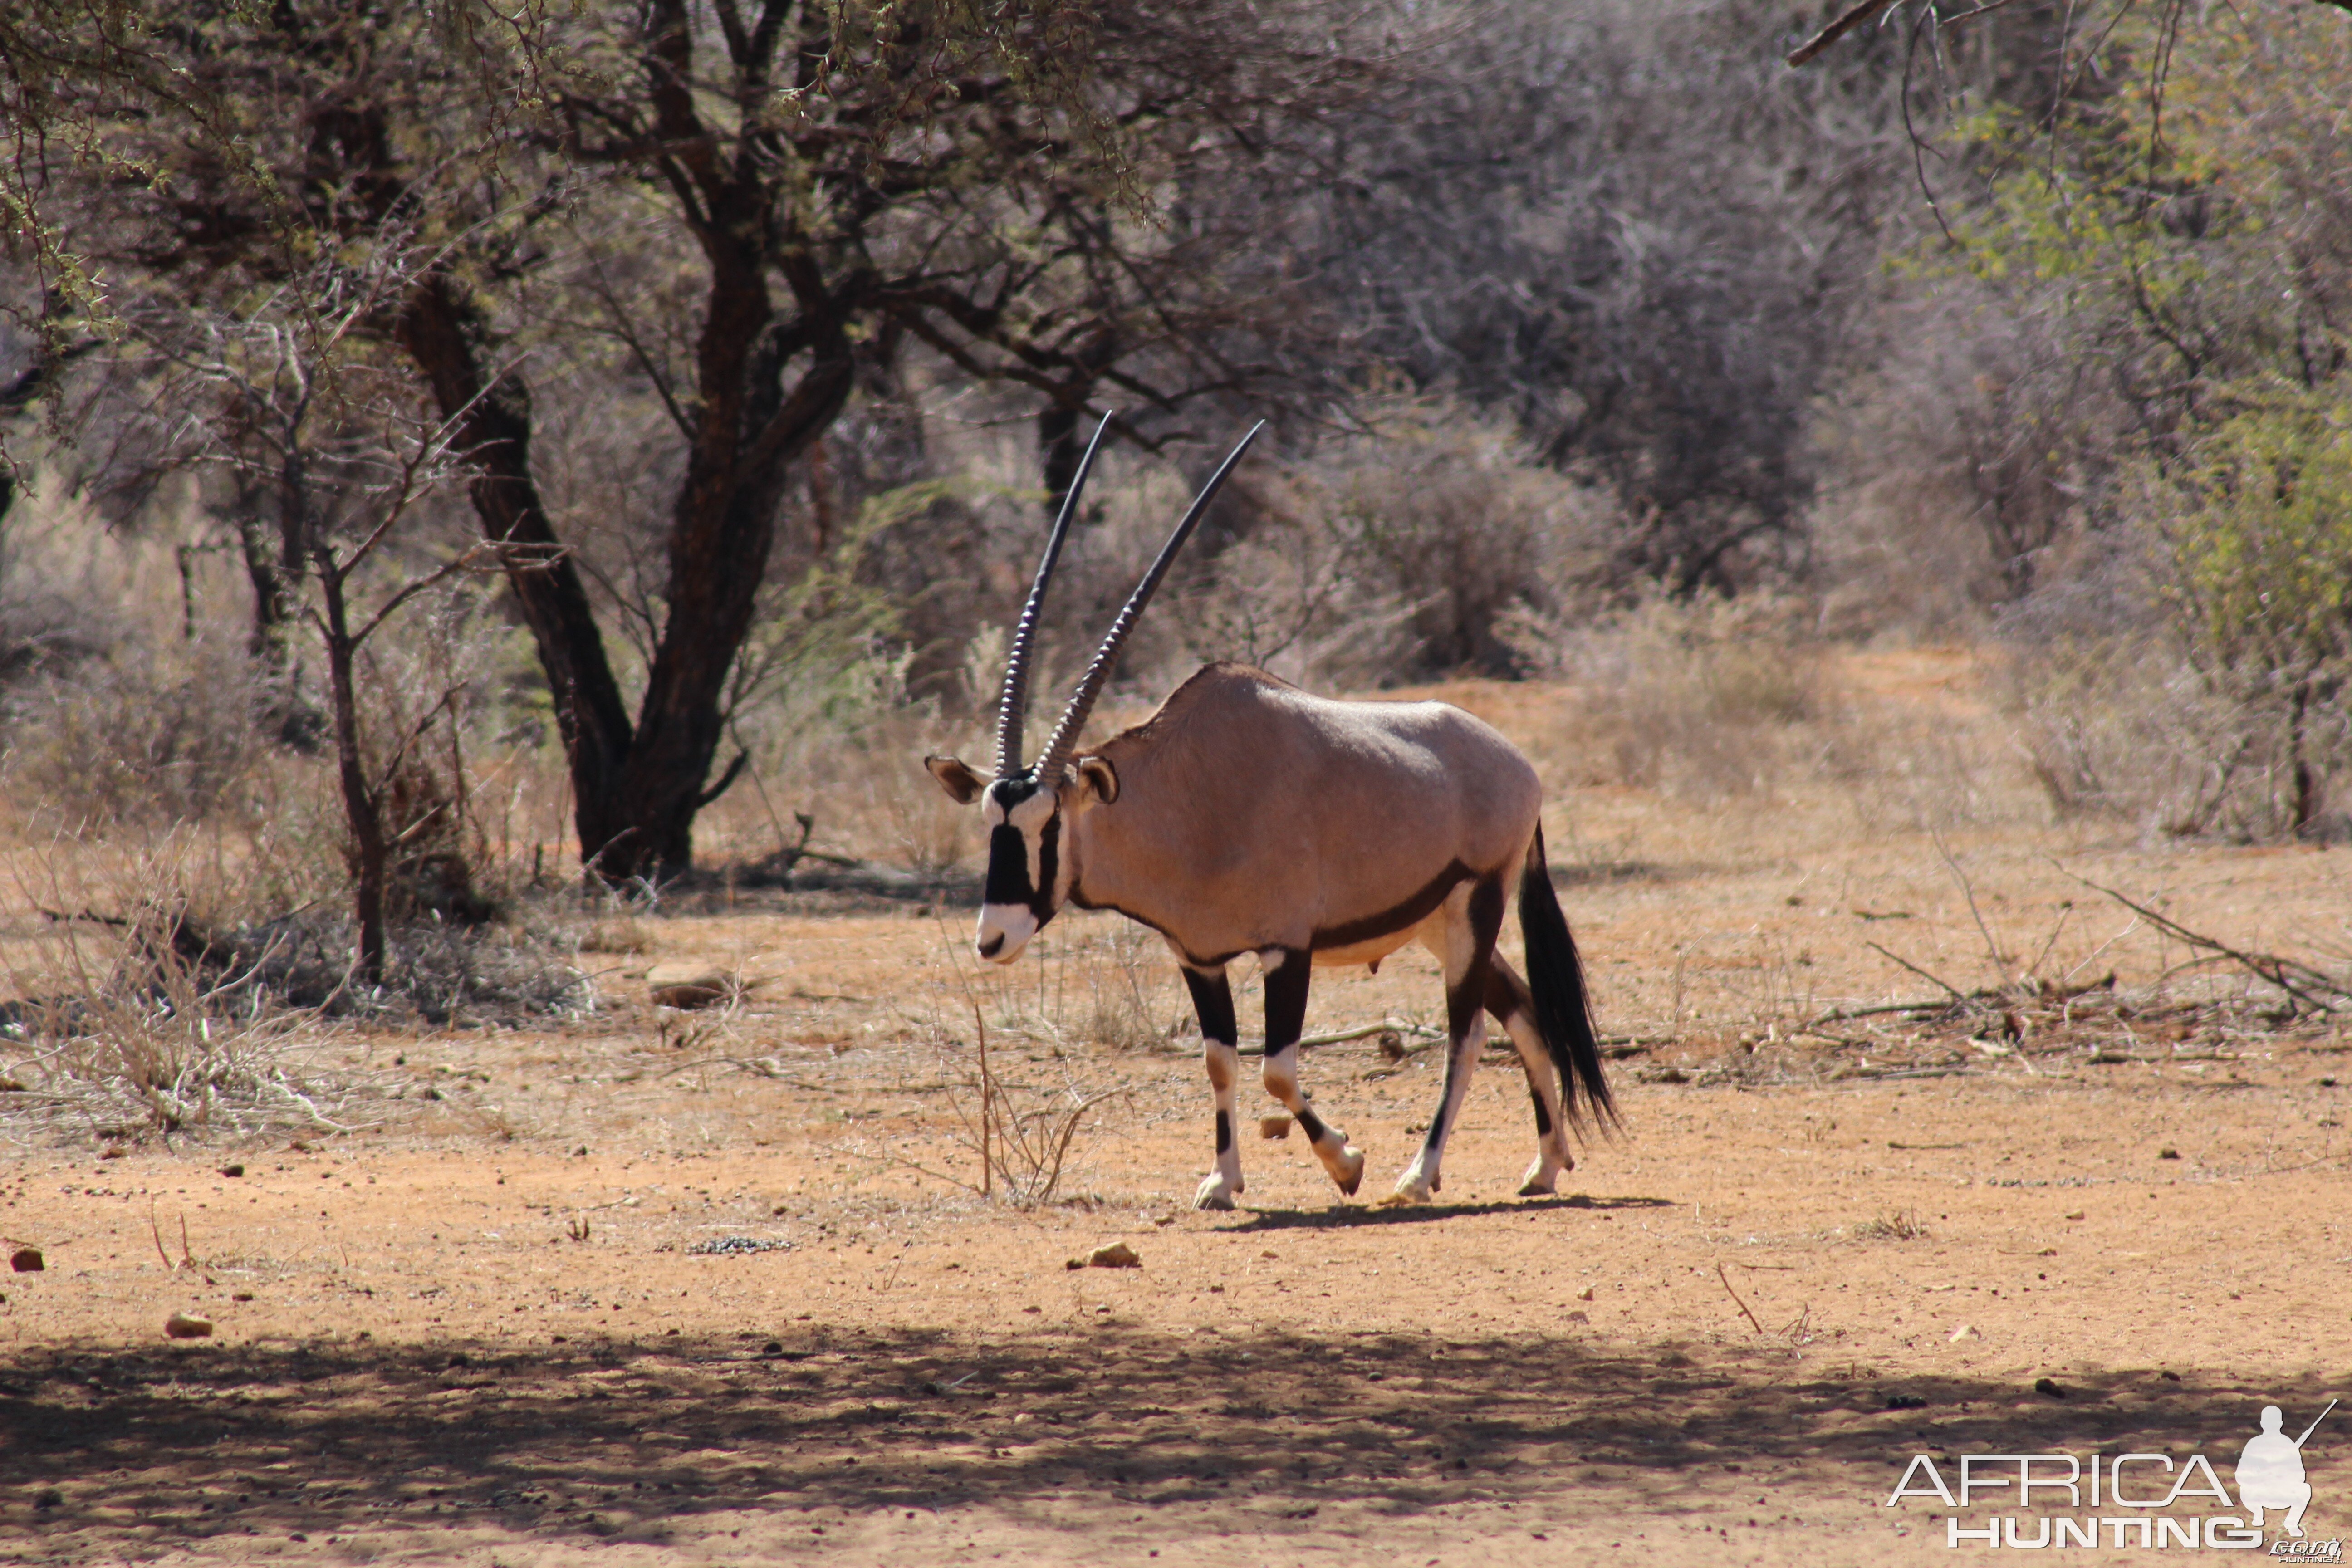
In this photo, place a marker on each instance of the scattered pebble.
(1274, 1126)
(734, 1246)
(2049, 1386)
(687, 987)
(1118, 1255)
(185, 1326)
(27, 1260)
(1585, 1294)
(2168, 1153)
(231, 1170)
(1965, 1332)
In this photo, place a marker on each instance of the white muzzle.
(1004, 931)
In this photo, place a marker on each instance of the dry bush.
(1700, 701)
(1434, 543)
(141, 735)
(135, 1020)
(2125, 727)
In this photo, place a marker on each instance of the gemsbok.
(1248, 817)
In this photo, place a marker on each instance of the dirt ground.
(712, 1286)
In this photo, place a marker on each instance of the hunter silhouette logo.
(2270, 1471)
(2122, 1501)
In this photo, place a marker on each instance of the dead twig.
(1736, 1302)
(1934, 979)
(2267, 966)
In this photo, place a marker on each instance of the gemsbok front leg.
(1286, 973)
(1213, 1002)
(1473, 916)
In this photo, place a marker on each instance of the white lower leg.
(1421, 1179)
(1551, 1136)
(1342, 1159)
(1225, 1184)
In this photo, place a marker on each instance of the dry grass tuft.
(1897, 1225)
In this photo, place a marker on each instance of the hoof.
(1215, 1194)
(1409, 1193)
(1535, 1189)
(1351, 1173)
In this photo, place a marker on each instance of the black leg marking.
(1224, 1133)
(1285, 1000)
(1312, 1125)
(1543, 1117)
(1212, 1004)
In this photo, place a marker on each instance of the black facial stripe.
(1008, 867)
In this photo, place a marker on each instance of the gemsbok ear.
(963, 785)
(1099, 776)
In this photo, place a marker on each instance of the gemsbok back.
(1248, 817)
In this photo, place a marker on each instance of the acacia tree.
(825, 186)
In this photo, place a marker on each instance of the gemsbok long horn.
(1013, 704)
(1057, 755)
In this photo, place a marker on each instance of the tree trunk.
(369, 851)
(2306, 780)
(441, 330)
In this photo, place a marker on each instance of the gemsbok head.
(1248, 816)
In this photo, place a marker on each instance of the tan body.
(1253, 815)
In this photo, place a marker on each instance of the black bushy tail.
(1556, 976)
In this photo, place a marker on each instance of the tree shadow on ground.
(109, 1447)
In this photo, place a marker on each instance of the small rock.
(1578, 1317)
(27, 1260)
(1965, 1332)
(2077, 1214)
(231, 1170)
(1118, 1255)
(2049, 1386)
(2168, 1153)
(185, 1326)
(1392, 1046)
(687, 987)
(1585, 1294)
(1274, 1126)
(242, 1296)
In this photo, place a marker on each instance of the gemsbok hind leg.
(1212, 1001)
(1286, 973)
(1514, 1006)
(1473, 915)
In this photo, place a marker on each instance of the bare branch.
(1854, 17)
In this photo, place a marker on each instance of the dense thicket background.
(705, 375)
